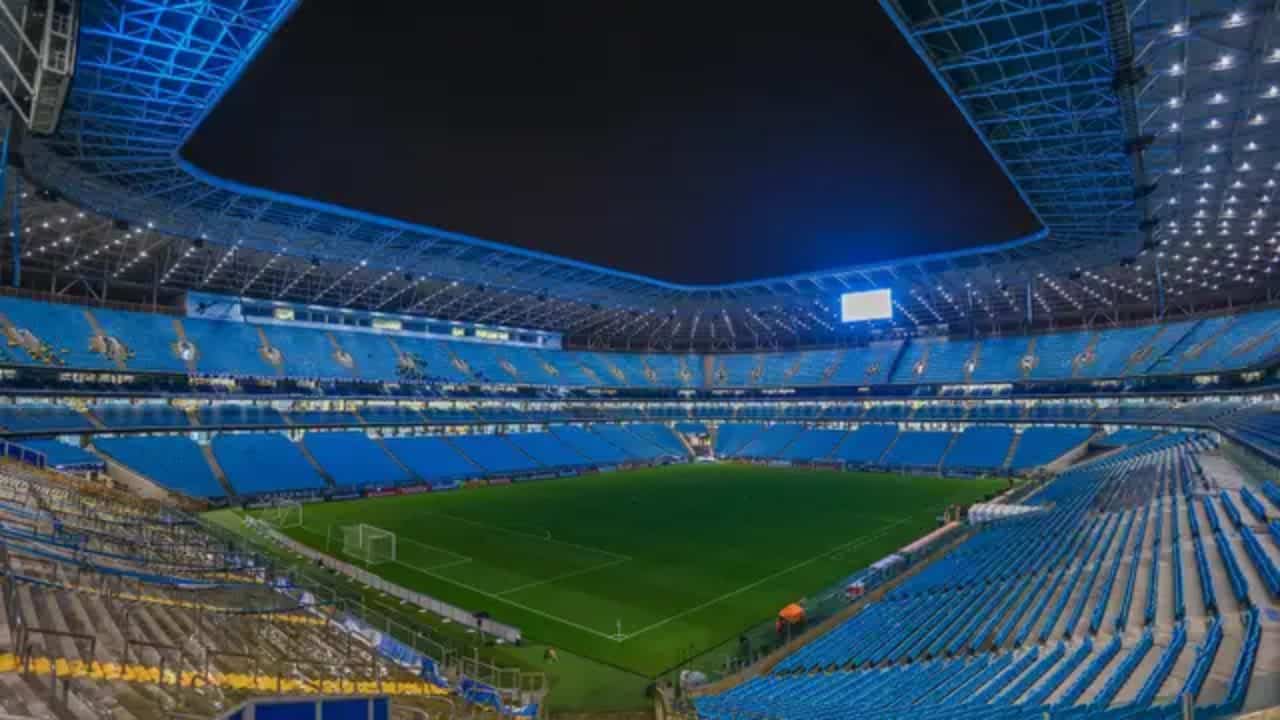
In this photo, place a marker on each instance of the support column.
(15, 194)
(15, 230)
(1159, 290)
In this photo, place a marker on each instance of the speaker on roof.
(1128, 261)
(121, 225)
(408, 277)
(198, 243)
(315, 261)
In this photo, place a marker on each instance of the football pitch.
(643, 569)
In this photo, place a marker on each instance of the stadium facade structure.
(1140, 135)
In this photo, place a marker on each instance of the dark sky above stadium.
(691, 142)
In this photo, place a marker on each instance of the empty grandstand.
(262, 456)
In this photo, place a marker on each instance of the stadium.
(265, 456)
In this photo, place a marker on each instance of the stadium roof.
(1120, 127)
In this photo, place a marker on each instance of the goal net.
(285, 514)
(368, 543)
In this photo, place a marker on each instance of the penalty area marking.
(564, 576)
(857, 542)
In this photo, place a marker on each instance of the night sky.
(700, 145)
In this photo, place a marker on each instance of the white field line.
(732, 593)
(435, 548)
(532, 536)
(512, 603)
(564, 576)
(499, 598)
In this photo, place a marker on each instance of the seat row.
(43, 334)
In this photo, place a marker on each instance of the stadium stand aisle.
(150, 339)
(433, 459)
(263, 463)
(979, 448)
(353, 460)
(174, 462)
(151, 415)
(494, 453)
(1042, 445)
(917, 449)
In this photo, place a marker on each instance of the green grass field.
(643, 569)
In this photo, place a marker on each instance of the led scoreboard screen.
(869, 305)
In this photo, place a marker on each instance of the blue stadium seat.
(150, 338)
(239, 415)
(172, 461)
(813, 444)
(63, 455)
(227, 348)
(143, 415)
(548, 451)
(65, 329)
(918, 449)
(34, 417)
(354, 460)
(979, 447)
(866, 444)
(495, 454)
(263, 463)
(433, 459)
(1042, 445)
(590, 445)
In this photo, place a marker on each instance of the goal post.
(285, 514)
(368, 543)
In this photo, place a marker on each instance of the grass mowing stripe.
(564, 576)
(532, 536)
(548, 556)
(857, 542)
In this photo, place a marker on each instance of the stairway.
(181, 331)
(1143, 353)
(377, 440)
(341, 356)
(462, 454)
(218, 472)
(942, 459)
(794, 368)
(315, 464)
(1013, 451)
(93, 419)
(708, 370)
(278, 361)
(972, 363)
(834, 367)
(922, 365)
(888, 449)
(1200, 347)
(98, 332)
(1087, 357)
(1025, 370)
(521, 450)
